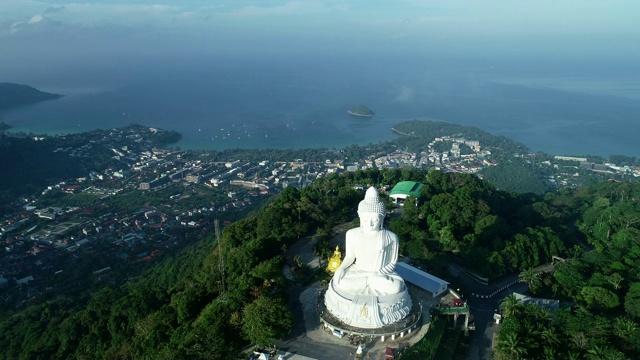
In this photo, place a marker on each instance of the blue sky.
(488, 16)
(63, 30)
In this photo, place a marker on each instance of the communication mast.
(221, 262)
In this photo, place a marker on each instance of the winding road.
(483, 301)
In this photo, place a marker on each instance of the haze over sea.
(281, 74)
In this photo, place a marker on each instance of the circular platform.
(401, 328)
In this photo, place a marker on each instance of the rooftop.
(407, 188)
(420, 278)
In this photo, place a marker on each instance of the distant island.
(360, 111)
(14, 95)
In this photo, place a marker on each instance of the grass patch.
(427, 347)
(442, 341)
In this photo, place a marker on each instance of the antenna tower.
(221, 262)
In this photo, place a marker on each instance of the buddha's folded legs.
(371, 283)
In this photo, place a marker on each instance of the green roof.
(407, 188)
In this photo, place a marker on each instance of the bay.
(299, 103)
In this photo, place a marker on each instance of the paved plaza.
(312, 341)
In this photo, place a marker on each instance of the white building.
(426, 281)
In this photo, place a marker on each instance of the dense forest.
(598, 285)
(185, 308)
(517, 175)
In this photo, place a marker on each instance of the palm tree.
(615, 280)
(509, 347)
(540, 315)
(626, 330)
(572, 355)
(511, 305)
(604, 353)
(531, 278)
(549, 337)
(580, 341)
(597, 352)
(550, 353)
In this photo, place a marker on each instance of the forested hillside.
(14, 95)
(420, 133)
(178, 309)
(511, 172)
(492, 232)
(599, 286)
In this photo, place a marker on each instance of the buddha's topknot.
(372, 203)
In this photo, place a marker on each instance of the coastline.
(358, 115)
(400, 132)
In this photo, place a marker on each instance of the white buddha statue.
(365, 290)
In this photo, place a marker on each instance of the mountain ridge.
(14, 95)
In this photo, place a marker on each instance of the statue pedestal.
(367, 311)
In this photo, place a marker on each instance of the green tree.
(599, 298)
(597, 352)
(531, 278)
(510, 347)
(549, 337)
(632, 300)
(615, 280)
(511, 306)
(265, 321)
(569, 277)
(627, 330)
(492, 231)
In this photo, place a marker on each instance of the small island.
(360, 111)
(15, 95)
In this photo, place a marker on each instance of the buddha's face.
(370, 221)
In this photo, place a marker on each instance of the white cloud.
(34, 22)
(15, 27)
(290, 8)
(36, 19)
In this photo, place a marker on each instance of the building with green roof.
(403, 189)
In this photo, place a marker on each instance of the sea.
(282, 102)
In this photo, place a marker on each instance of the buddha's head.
(371, 211)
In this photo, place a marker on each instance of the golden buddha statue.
(335, 261)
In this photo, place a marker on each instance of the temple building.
(403, 189)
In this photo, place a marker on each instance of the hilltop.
(104, 230)
(14, 95)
